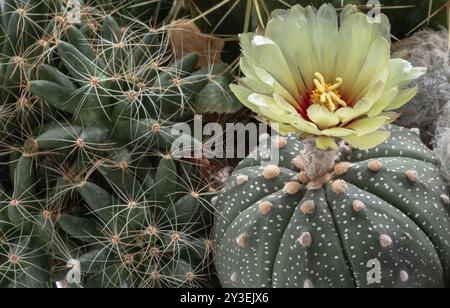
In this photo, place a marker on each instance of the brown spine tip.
(342, 168)
(412, 175)
(271, 171)
(339, 186)
(445, 199)
(308, 207)
(358, 206)
(305, 239)
(280, 142)
(241, 240)
(265, 208)
(385, 240)
(298, 163)
(292, 188)
(374, 165)
(241, 179)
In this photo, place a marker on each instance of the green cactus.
(380, 213)
(93, 185)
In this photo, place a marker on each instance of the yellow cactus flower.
(318, 76)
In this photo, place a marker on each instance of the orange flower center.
(327, 94)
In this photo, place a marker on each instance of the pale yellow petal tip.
(368, 141)
(326, 143)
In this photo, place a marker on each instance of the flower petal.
(365, 104)
(337, 132)
(276, 87)
(390, 116)
(403, 97)
(385, 100)
(402, 73)
(355, 38)
(288, 28)
(324, 142)
(268, 55)
(367, 125)
(376, 61)
(367, 141)
(322, 117)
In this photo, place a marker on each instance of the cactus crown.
(90, 192)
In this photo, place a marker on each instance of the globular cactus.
(377, 218)
(94, 188)
(429, 49)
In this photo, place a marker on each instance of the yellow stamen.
(327, 94)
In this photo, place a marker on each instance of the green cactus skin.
(389, 205)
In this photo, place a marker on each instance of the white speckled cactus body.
(378, 219)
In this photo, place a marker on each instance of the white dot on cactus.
(412, 175)
(271, 171)
(298, 163)
(305, 239)
(445, 199)
(241, 179)
(404, 276)
(308, 284)
(292, 188)
(241, 240)
(339, 186)
(374, 165)
(342, 168)
(265, 208)
(234, 277)
(308, 207)
(385, 240)
(358, 206)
